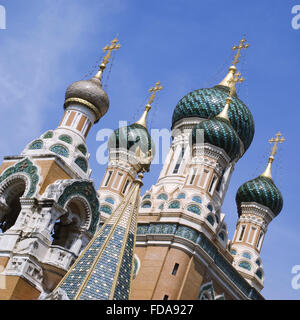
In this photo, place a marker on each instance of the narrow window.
(193, 176)
(212, 184)
(108, 178)
(166, 297)
(179, 161)
(175, 269)
(218, 188)
(259, 240)
(125, 187)
(242, 233)
(118, 180)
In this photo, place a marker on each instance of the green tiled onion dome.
(220, 133)
(130, 137)
(207, 103)
(261, 190)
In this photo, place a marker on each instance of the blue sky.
(186, 45)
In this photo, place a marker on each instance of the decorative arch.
(197, 199)
(194, 209)
(69, 226)
(106, 209)
(110, 200)
(48, 135)
(146, 204)
(60, 150)
(246, 255)
(25, 170)
(66, 138)
(82, 164)
(35, 145)
(181, 195)
(175, 204)
(210, 219)
(84, 189)
(162, 196)
(82, 149)
(259, 273)
(246, 265)
(222, 236)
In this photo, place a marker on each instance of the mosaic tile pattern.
(82, 149)
(38, 144)
(130, 137)
(61, 150)
(82, 164)
(103, 271)
(219, 133)
(208, 103)
(261, 190)
(25, 166)
(65, 138)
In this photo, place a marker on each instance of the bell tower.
(49, 208)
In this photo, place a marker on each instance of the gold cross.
(236, 78)
(279, 138)
(114, 46)
(239, 48)
(156, 88)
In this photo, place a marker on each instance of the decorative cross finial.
(279, 138)
(239, 48)
(109, 48)
(232, 82)
(154, 89)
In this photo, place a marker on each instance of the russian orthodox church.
(62, 238)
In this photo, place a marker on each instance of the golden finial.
(235, 79)
(114, 46)
(279, 139)
(239, 48)
(232, 69)
(143, 118)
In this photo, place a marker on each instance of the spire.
(143, 119)
(279, 138)
(114, 46)
(233, 81)
(232, 69)
(104, 269)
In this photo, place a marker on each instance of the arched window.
(146, 204)
(197, 199)
(61, 150)
(259, 273)
(209, 207)
(246, 255)
(147, 196)
(48, 135)
(245, 265)
(233, 252)
(161, 206)
(174, 205)
(65, 138)
(217, 219)
(193, 208)
(258, 262)
(82, 149)
(110, 200)
(106, 209)
(11, 197)
(82, 164)
(210, 219)
(37, 144)
(221, 236)
(162, 196)
(181, 196)
(67, 228)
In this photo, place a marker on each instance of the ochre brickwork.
(18, 289)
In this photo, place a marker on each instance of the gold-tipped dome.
(90, 93)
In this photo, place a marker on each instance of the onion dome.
(130, 137)
(90, 94)
(135, 137)
(208, 103)
(219, 133)
(262, 189)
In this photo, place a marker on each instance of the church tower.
(258, 201)
(49, 208)
(105, 269)
(182, 240)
